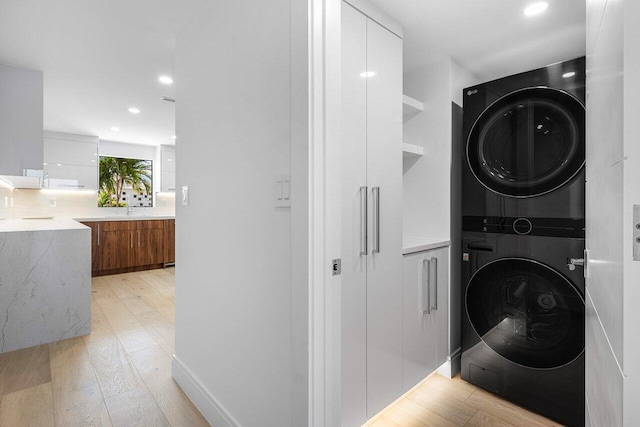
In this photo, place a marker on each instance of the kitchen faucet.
(129, 207)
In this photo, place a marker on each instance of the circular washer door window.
(528, 142)
(527, 312)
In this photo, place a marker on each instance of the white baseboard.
(202, 398)
(452, 366)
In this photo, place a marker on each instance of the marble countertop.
(39, 224)
(125, 218)
(413, 244)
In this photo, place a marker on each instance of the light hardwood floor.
(120, 375)
(439, 401)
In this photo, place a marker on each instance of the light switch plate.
(282, 191)
(185, 195)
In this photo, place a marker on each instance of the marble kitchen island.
(45, 281)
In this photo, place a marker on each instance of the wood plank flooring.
(439, 401)
(120, 375)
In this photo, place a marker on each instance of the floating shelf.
(411, 106)
(411, 150)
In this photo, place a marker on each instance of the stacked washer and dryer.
(523, 187)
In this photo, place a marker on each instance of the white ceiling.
(490, 38)
(100, 57)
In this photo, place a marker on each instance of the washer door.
(527, 312)
(528, 142)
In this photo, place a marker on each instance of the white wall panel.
(605, 93)
(604, 202)
(604, 380)
(234, 319)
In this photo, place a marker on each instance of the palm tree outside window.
(125, 182)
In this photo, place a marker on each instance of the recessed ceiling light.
(59, 164)
(536, 8)
(134, 110)
(165, 80)
(45, 164)
(174, 137)
(115, 129)
(367, 74)
(569, 74)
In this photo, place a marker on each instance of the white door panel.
(384, 171)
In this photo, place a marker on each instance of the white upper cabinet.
(168, 169)
(70, 161)
(21, 117)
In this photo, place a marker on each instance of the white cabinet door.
(425, 314)
(354, 221)
(70, 161)
(20, 120)
(68, 152)
(384, 176)
(371, 217)
(168, 170)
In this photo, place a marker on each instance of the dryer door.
(527, 312)
(528, 142)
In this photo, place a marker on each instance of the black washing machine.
(524, 149)
(523, 320)
(523, 187)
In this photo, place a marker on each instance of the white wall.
(613, 176)
(241, 320)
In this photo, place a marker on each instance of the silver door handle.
(98, 234)
(434, 271)
(376, 219)
(363, 220)
(138, 238)
(131, 239)
(426, 286)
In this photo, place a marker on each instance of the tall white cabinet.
(372, 216)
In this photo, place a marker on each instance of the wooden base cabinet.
(124, 246)
(425, 311)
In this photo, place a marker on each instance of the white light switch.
(185, 195)
(282, 191)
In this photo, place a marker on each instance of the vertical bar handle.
(433, 278)
(363, 220)
(376, 219)
(98, 234)
(426, 286)
(138, 238)
(131, 239)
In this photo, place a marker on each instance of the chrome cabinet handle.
(98, 234)
(132, 239)
(363, 220)
(426, 286)
(376, 219)
(138, 238)
(434, 272)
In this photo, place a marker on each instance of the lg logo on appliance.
(472, 92)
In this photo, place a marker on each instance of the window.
(125, 182)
